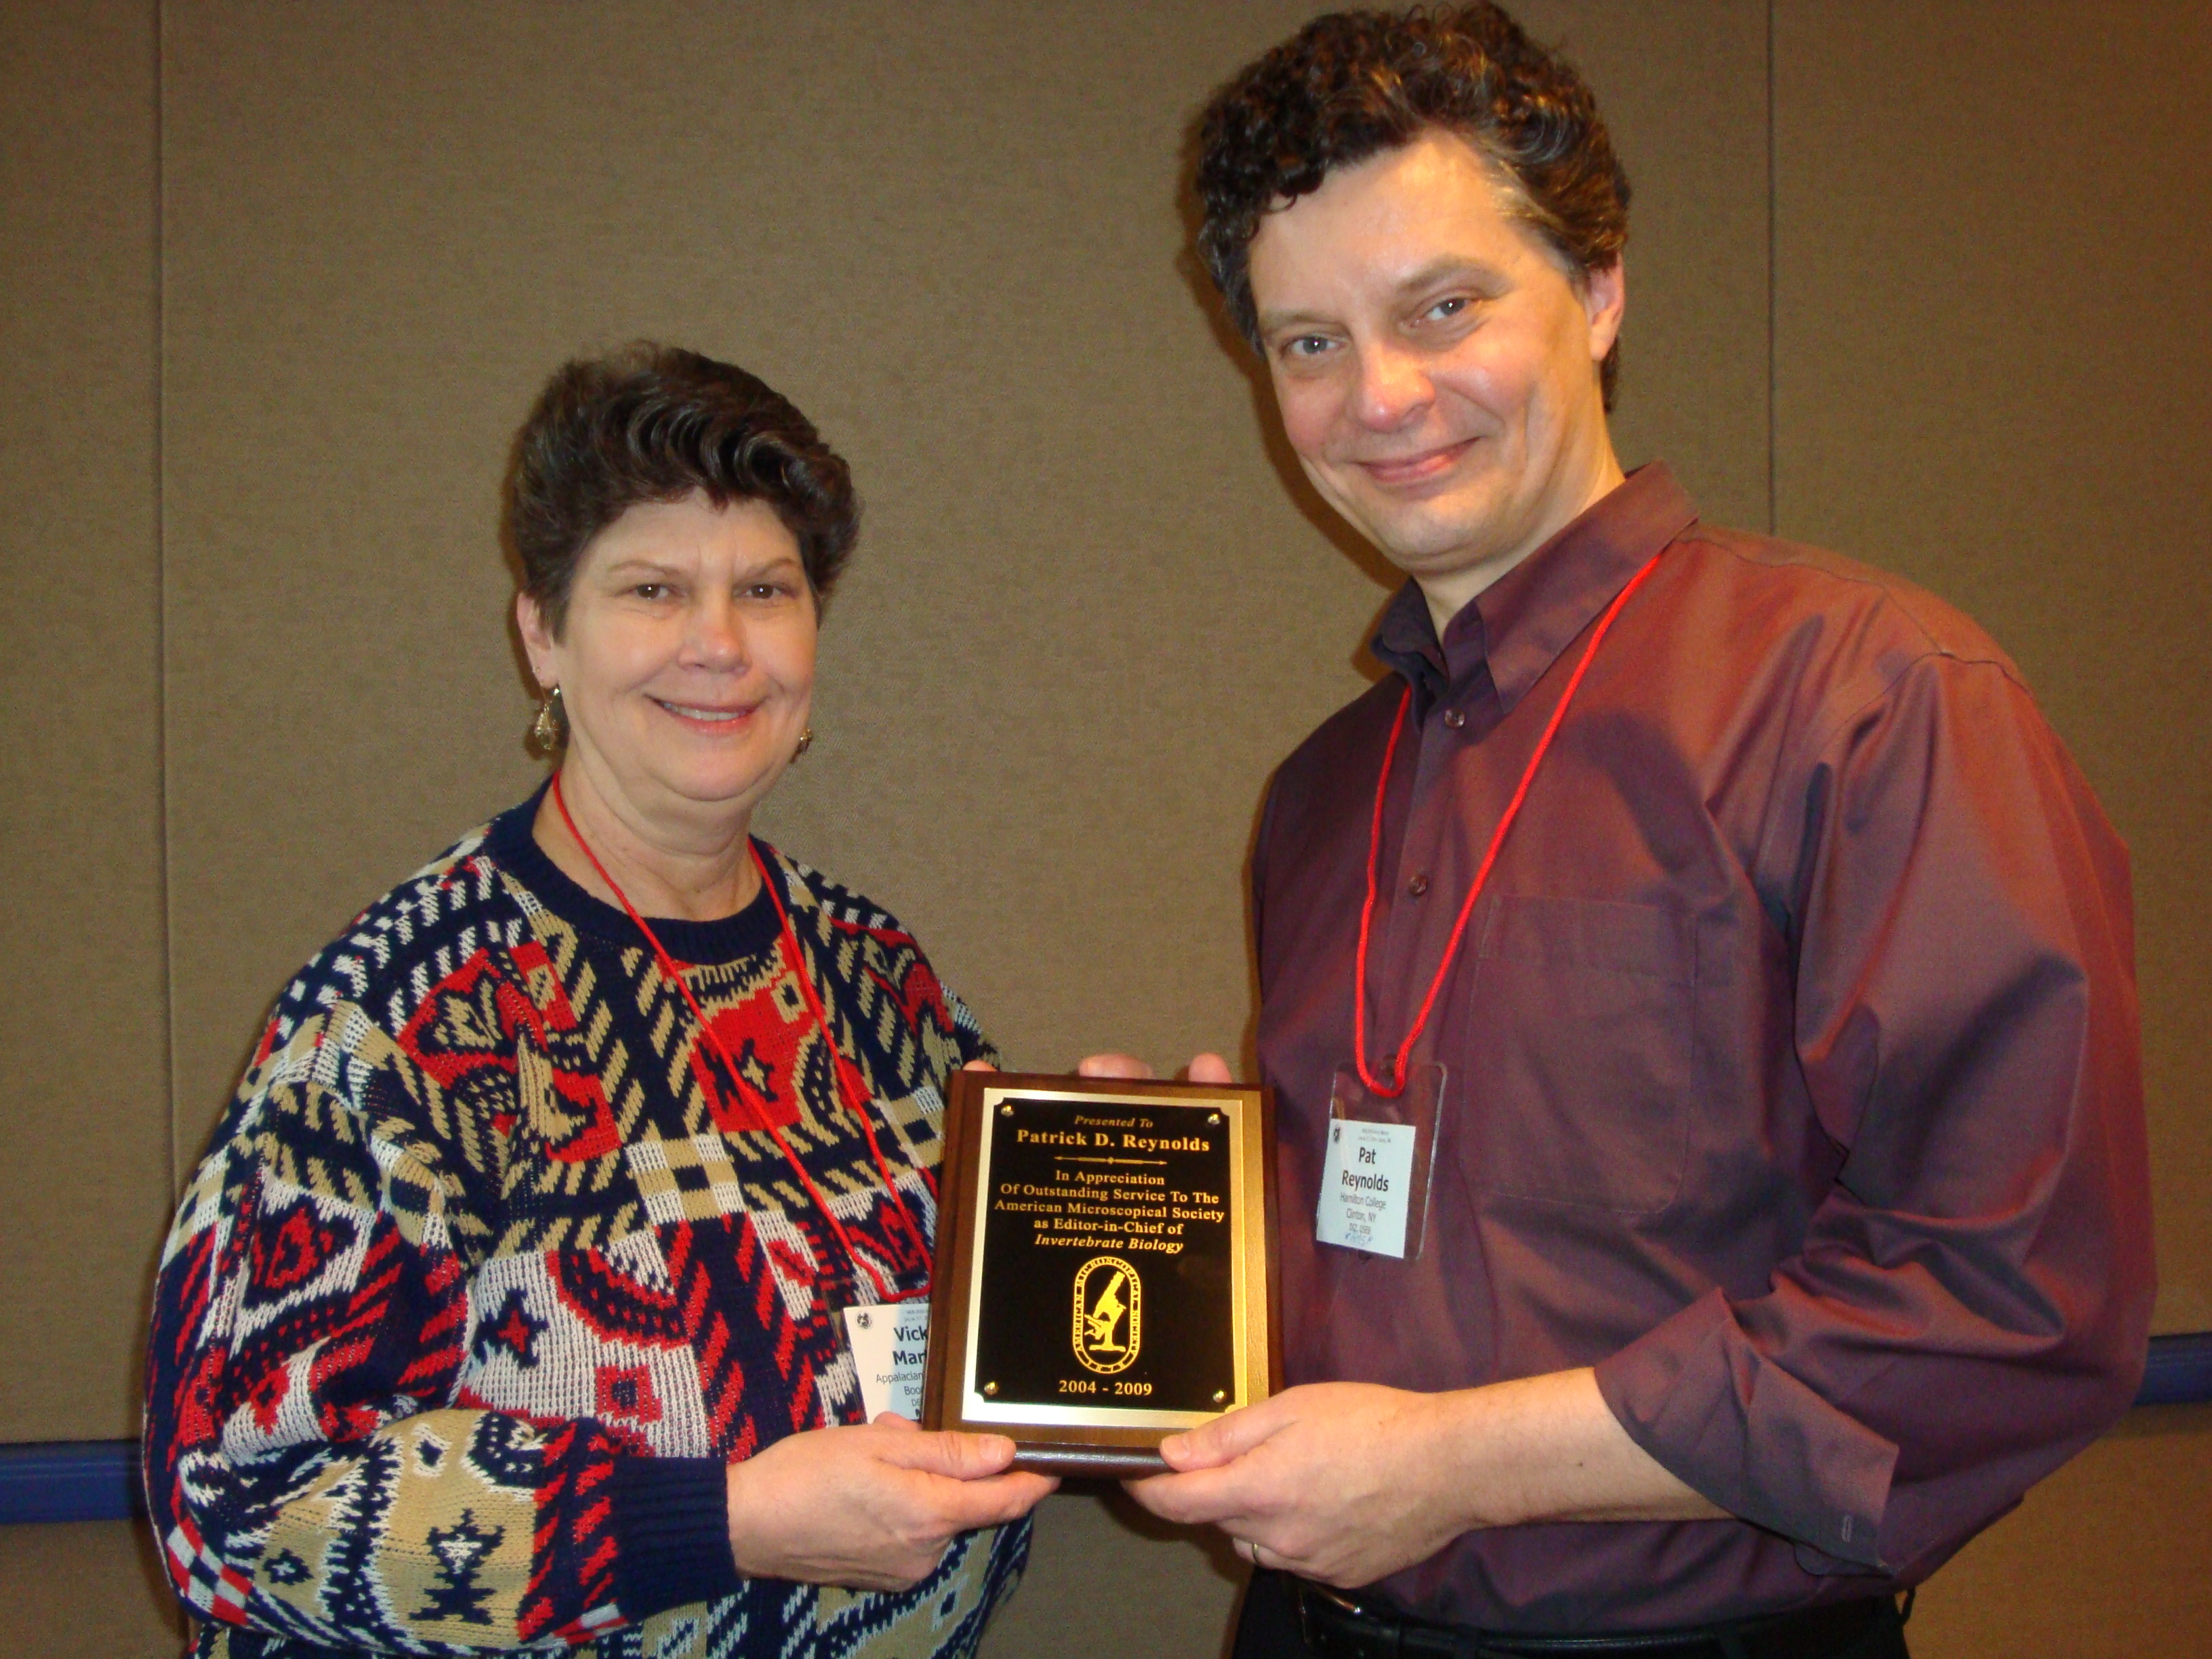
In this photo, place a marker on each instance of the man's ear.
(1605, 297)
(536, 638)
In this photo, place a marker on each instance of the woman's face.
(686, 661)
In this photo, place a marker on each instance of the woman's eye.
(650, 589)
(1307, 345)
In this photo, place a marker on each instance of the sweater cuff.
(671, 1530)
(1715, 1412)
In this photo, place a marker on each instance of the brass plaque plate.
(1104, 1271)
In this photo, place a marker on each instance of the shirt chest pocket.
(1571, 1081)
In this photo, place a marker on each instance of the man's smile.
(1398, 471)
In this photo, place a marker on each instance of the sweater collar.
(727, 938)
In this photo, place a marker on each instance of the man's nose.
(1393, 386)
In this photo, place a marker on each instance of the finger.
(889, 1419)
(954, 1455)
(1210, 1068)
(1214, 1496)
(1124, 1065)
(1023, 1489)
(1229, 1436)
(964, 1505)
(979, 1065)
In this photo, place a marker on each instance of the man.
(1726, 960)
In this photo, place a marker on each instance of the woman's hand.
(871, 1508)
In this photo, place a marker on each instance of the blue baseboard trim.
(98, 1480)
(70, 1480)
(2179, 1372)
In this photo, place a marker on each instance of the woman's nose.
(716, 638)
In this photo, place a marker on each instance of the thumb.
(957, 1456)
(1210, 1068)
(1222, 1440)
(1121, 1065)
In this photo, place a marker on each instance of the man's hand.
(1345, 1483)
(1204, 1068)
(1340, 1482)
(870, 1508)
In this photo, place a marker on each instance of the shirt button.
(1419, 885)
(1455, 719)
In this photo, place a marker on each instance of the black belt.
(1341, 1626)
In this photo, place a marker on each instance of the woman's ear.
(536, 638)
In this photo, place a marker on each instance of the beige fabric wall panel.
(1091, 609)
(1683, 86)
(86, 1590)
(84, 1177)
(1994, 375)
(2110, 1559)
(1105, 1577)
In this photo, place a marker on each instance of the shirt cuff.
(1714, 1411)
(671, 1530)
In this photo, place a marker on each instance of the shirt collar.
(1521, 622)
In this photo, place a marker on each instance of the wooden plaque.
(1105, 1271)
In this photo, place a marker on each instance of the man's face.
(1435, 366)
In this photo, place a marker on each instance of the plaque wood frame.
(1103, 1435)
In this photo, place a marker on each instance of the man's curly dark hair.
(652, 423)
(1353, 84)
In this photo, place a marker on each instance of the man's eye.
(1451, 307)
(1306, 345)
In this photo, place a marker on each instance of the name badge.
(1366, 1180)
(889, 1343)
(1374, 1169)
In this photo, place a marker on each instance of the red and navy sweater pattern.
(490, 1270)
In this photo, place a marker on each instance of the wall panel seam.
(1773, 286)
(162, 747)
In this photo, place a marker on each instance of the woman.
(507, 1307)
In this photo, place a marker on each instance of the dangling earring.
(805, 743)
(551, 724)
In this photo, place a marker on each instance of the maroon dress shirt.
(1792, 1070)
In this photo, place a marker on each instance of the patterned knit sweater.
(490, 1272)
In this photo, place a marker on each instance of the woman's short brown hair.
(1353, 84)
(654, 422)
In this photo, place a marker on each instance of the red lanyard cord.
(675, 974)
(1397, 1085)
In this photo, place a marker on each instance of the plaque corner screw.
(990, 1388)
(1221, 1396)
(1007, 1110)
(1213, 1117)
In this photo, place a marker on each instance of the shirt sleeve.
(1970, 1304)
(311, 1470)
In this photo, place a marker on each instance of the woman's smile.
(712, 717)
